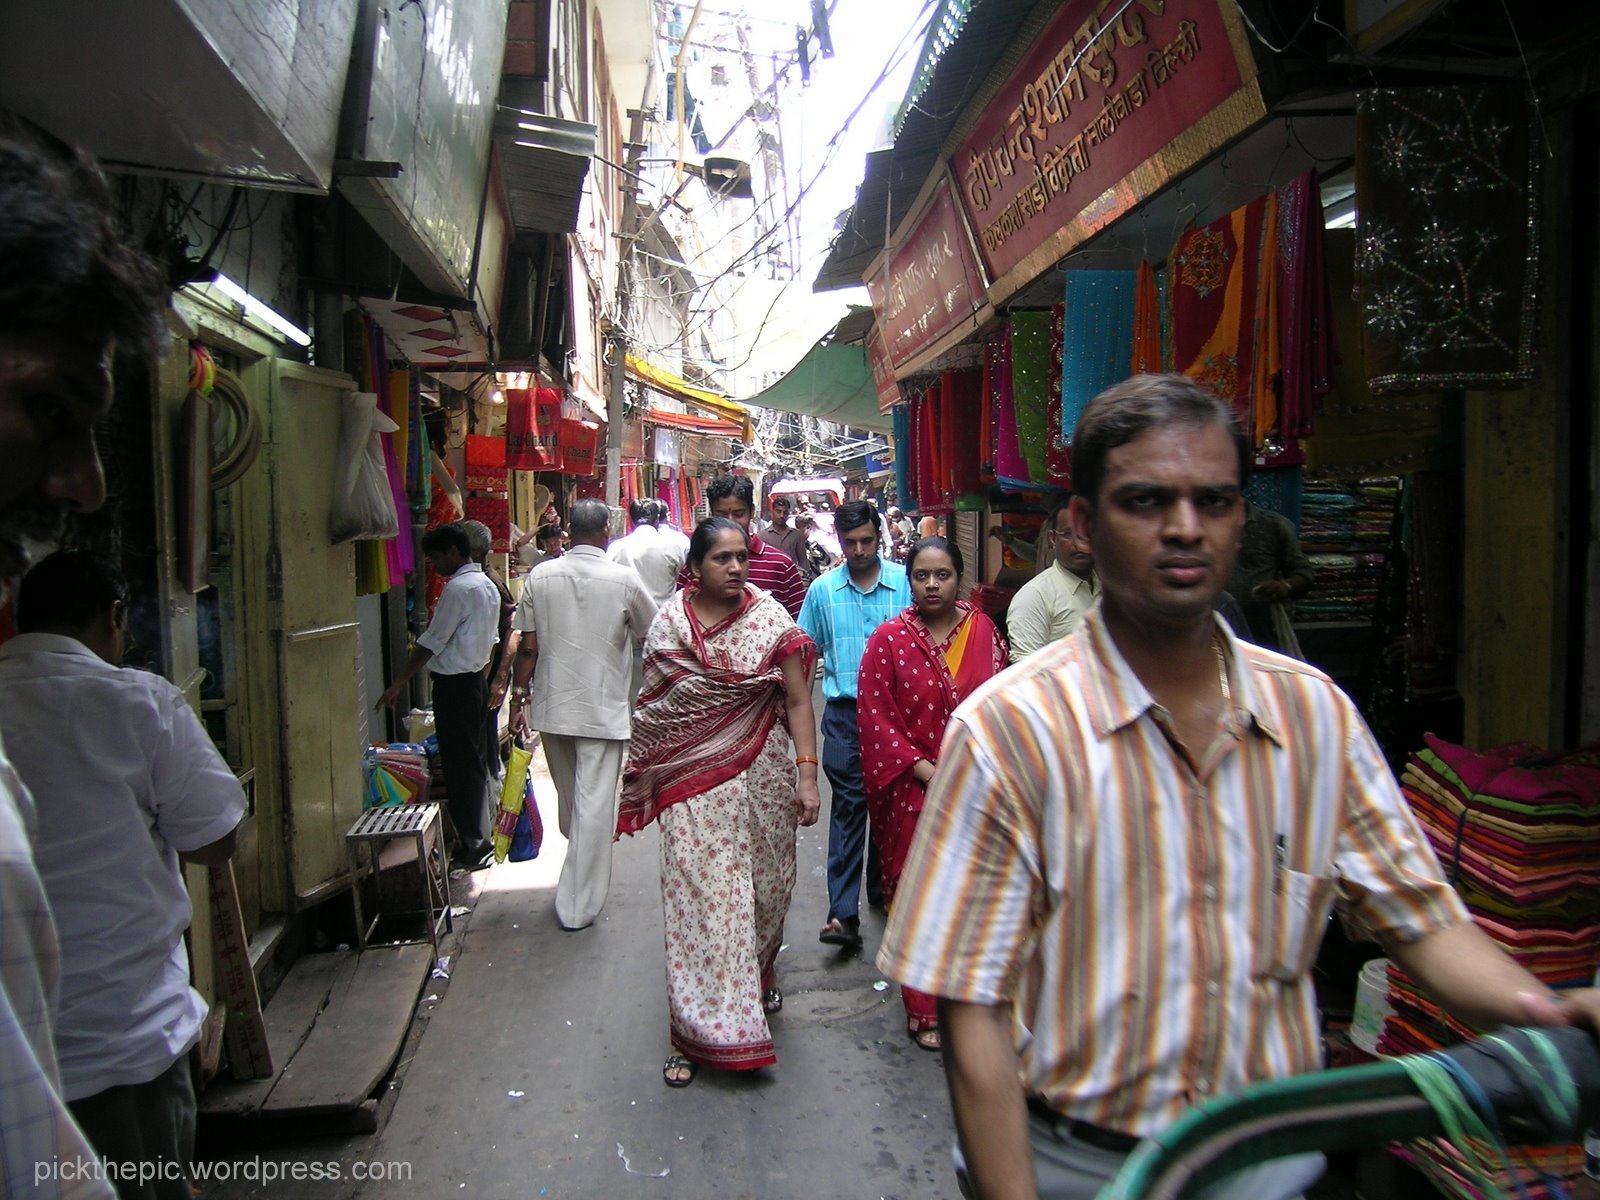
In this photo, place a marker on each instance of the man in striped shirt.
(771, 570)
(1133, 841)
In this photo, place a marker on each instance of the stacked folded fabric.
(1345, 530)
(1518, 833)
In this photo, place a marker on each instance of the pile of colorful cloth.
(1518, 833)
(1345, 529)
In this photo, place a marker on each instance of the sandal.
(670, 1071)
(927, 1039)
(846, 933)
(772, 1000)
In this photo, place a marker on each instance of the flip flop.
(772, 1000)
(839, 933)
(678, 1062)
(927, 1039)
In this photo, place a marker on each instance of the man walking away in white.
(579, 620)
(456, 648)
(657, 559)
(125, 780)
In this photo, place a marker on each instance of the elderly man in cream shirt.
(1050, 605)
(578, 621)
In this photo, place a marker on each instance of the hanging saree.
(907, 689)
(1097, 345)
(1030, 385)
(1146, 322)
(963, 405)
(711, 761)
(1305, 306)
(1222, 319)
(1010, 468)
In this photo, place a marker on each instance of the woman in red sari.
(916, 669)
(724, 757)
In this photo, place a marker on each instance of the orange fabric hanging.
(1146, 322)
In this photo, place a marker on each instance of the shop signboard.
(1112, 103)
(930, 285)
(882, 370)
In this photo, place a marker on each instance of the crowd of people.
(1107, 866)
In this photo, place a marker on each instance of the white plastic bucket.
(1372, 1005)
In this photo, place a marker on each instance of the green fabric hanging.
(1030, 382)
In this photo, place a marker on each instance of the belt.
(1092, 1135)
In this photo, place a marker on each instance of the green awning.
(833, 382)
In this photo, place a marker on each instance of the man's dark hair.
(854, 515)
(588, 517)
(705, 536)
(71, 589)
(1058, 506)
(662, 511)
(937, 543)
(447, 537)
(546, 532)
(1125, 410)
(642, 512)
(64, 263)
(737, 486)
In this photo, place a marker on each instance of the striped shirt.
(840, 617)
(772, 571)
(1154, 926)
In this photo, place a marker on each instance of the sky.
(822, 153)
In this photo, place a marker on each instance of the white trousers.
(587, 773)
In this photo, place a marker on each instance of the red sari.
(907, 690)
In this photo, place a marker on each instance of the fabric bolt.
(1310, 350)
(465, 623)
(586, 772)
(1447, 253)
(930, 496)
(707, 705)
(125, 778)
(588, 613)
(1047, 608)
(963, 401)
(1058, 452)
(1011, 468)
(900, 415)
(1276, 489)
(909, 687)
(1101, 309)
(35, 1124)
(1180, 968)
(712, 761)
(1030, 388)
(1215, 293)
(1146, 358)
(771, 570)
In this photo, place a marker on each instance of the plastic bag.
(363, 502)
(513, 799)
(529, 835)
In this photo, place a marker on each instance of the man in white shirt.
(456, 648)
(657, 559)
(578, 620)
(670, 531)
(125, 780)
(71, 293)
(1051, 604)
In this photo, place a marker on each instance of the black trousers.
(459, 702)
(148, 1123)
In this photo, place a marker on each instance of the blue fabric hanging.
(1098, 342)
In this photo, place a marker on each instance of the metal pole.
(617, 346)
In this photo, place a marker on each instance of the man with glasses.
(1050, 605)
(786, 537)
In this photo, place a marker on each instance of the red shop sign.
(579, 442)
(882, 370)
(533, 429)
(1098, 117)
(931, 283)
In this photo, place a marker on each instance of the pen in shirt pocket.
(1280, 855)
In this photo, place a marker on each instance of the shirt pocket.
(1297, 916)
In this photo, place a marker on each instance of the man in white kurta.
(578, 620)
(656, 557)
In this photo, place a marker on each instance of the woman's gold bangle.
(798, 761)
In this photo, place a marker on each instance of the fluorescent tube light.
(260, 310)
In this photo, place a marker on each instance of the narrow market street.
(538, 1073)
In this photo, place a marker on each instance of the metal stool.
(421, 823)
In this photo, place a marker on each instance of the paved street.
(538, 1073)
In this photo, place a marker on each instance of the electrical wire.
(245, 448)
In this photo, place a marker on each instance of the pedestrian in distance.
(655, 557)
(724, 758)
(917, 668)
(481, 540)
(1052, 604)
(577, 621)
(456, 649)
(843, 607)
(1133, 840)
(73, 294)
(771, 570)
(127, 786)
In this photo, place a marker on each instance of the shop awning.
(544, 160)
(668, 384)
(714, 426)
(833, 382)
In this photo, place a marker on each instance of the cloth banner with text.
(533, 429)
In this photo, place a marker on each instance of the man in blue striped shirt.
(842, 608)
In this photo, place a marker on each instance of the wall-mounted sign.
(931, 283)
(882, 370)
(1102, 113)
